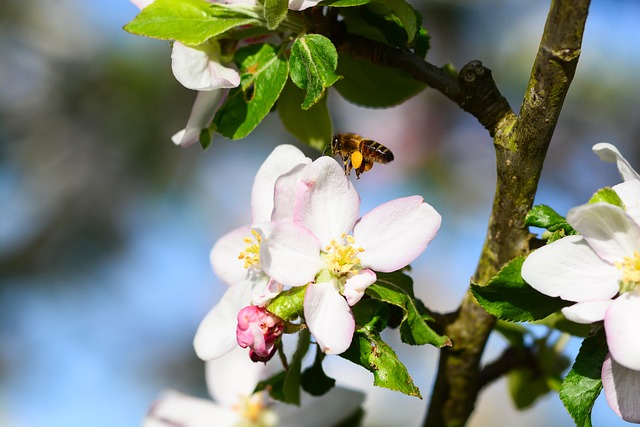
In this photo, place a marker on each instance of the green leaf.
(514, 333)
(313, 64)
(508, 297)
(525, 386)
(422, 43)
(274, 12)
(543, 216)
(607, 195)
(275, 386)
(559, 322)
(397, 289)
(372, 353)
(312, 126)
(263, 73)
(403, 12)
(288, 305)
(314, 380)
(583, 384)
(191, 22)
(372, 85)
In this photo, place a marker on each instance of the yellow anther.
(251, 254)
(342, 258)
(630, 267)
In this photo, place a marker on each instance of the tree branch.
(521, 144)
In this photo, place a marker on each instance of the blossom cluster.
(306, 232)
(206, 69)
(599, 270)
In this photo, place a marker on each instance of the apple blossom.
(235, 257)
(259, 330)
(327, 247)
(231, 380)
(600, 271)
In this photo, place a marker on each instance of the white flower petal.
(282, 159)
(216, 334)
(302, 4)
(199, 67)
(607, 228)
(224, 256)
(356, 285)
(177, 409)
(609, 153)
(587, 312)
(327, 203)
(141, 4)
(395, 233)
(621, 388)
(290, 254)
(285, 194)
(328, 317)
(202, 112)
(233, 377)
(568, 268)
(629, 193)
(621, 325)
(330, 409)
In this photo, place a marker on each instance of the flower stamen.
(342, 257)
(251, 254)
(630, 267)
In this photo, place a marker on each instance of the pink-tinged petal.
(621, 388)
(202, 112)
(141, 4)
(330, 409)
(224, 256)
(587, 312)
(302, 4)
(629, 193)
(177, 409)
(233, 376)
(199, 68)
(355, 286)
(216, 334)
(607, 228)
(328, 317)
(285, 194)
(396, 232)
(621, 325)
(568, 268)
(282, 159)
(327, 203)
(290, 254)
(261, 297)
(609, 153)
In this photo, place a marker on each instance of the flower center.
(255, 412)
(630, 267)
(251, 254)
(342, 257)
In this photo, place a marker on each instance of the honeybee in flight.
(359, 153)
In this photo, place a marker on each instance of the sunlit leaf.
(191, 22)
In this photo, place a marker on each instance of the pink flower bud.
(258, 329)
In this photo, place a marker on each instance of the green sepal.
(314, 380)
(344, 3)
(288, 305)
(313, 63)
(372, 353)
(191, 22)
(206, 137)
(372, 85)
(397, 289)
(275, 11)
(312, 126)
(583, 383)
(263, 73)
(607, 195)
(508, 297)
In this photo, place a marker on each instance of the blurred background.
(106, 227)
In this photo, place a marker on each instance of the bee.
(359, 153)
